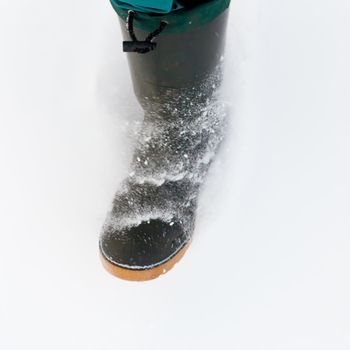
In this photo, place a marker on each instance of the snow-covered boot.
(175, 61)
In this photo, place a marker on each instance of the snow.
(179, 149)
(269, 264)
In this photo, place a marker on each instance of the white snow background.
(269, 265)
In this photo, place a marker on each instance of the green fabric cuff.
(178, 21)
(149, 6)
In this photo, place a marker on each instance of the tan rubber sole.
(143, 275)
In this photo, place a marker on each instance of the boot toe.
(143, 247)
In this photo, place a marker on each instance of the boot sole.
(145, 274)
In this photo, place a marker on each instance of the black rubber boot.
(176, 74)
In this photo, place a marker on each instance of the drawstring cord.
(140, 46)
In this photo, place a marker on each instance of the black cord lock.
(140, 46)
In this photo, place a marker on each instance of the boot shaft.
(185, 57)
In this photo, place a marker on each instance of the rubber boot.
(175, 62)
